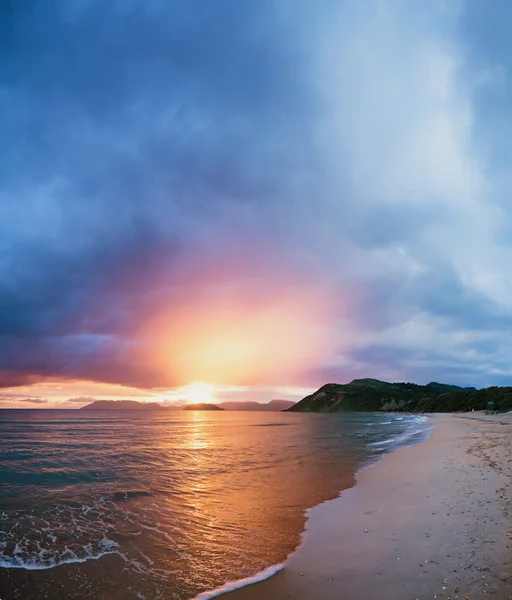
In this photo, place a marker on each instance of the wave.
(240, 583)
(47, 559)
(416, 429)
(64, 534)
(382, 442)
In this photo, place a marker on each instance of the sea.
(121, 505)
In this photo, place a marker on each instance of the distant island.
(273, 405)
(202, 406)
(372, 395)
(122, 405)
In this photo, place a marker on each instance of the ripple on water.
(185, 505)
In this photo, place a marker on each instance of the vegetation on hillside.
(372, 395)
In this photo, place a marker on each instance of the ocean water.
(123, 505)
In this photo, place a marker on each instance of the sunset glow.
(199, 392)
(248, 248)
(75, 394)
(175, 223)
(252, 335)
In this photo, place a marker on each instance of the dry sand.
(430, 521)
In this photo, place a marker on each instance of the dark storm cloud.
(122, 126)
(142, 141)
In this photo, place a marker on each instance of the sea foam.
(235, 585)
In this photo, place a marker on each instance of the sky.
(263, 196)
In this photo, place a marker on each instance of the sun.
(199, 392)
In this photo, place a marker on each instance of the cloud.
(171, 403)
(21, 399)
(80, 400)
(338, 160)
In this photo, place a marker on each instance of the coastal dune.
(429, 521)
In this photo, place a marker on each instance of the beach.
(424, 514)
(428, 521)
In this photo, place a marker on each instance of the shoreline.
(427, 520)
(272, 570)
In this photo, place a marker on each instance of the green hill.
(371, 395)
(468, 399)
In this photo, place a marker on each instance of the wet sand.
(430, 521)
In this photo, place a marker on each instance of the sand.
(429, 521)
